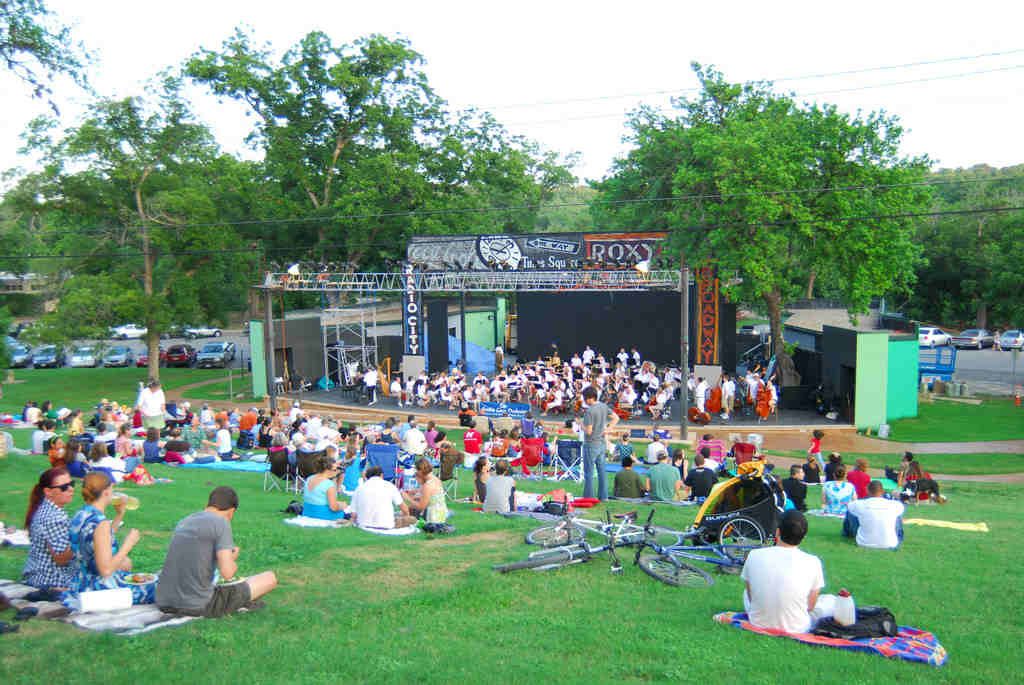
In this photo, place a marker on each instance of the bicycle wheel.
(739, 536)
(554, 559)
(674, 572)
(554, 536)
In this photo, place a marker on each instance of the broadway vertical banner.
(707, 316)
(412, 319)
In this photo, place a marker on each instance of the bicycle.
(670, 563)
(573, 530)
(576, 552)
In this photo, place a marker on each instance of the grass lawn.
(359, 608)
(224, 391)
(83, 388)
(993, 419)
(950, 464)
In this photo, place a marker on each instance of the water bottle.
(845, 612)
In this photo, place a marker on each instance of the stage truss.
(346, 341)
(472, 281)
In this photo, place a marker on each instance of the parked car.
(932, 337)
(194, 332)
(1012, 340)
(129, 331)
(181, 355)
(84, 357)
(173, 331)
(119, 356)
(48, 357)
(973, 337)
(142, 360)
(216, 354)
(21, 355)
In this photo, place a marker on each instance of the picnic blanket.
(822, 513)
(254, 466)
(131, 621)
(955, 525)
(17, 538)
(536, 515)
(647, 500)
(310, 522)
(909, 644)
(408, 530)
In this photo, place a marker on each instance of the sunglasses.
(64, 487)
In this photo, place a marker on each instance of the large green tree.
(757, 179)
(356, 131)
(973, 250)
(132, 201)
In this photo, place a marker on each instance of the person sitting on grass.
(655, 450)
(124, 446)
(628, 484)
(501, 489)
(201, 548)
(782, 582)
(837, 494)
(151, 446)
(795, 488)
(663, 482)
(57, 452)
(176, 449)
(835, 460)
(100, 459)
(374, 502)
(875, 521)
(481, 474)
(222, 441)
(914, 482)
(700, 479)
(103, 564)
(623, 448)
(859, 477)
(427, 501)
(42, 433)
(48, 565)
(811, 470)
(320, 495)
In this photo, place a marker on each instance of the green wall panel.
(259, 364)
(872, 380)
(901, 390)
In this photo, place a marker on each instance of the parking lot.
(240, 339)
(989, 370)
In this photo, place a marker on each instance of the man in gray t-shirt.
(500, 490)
(597, 419)
(202, 544)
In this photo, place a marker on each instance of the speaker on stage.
(727, 336)
(437, 335)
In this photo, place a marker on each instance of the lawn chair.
(531, 455)
(568, 460)
(386, 457)
(450, 473)
(305, 467)
(743, 452)
(280, 470)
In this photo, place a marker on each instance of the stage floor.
(792, 417)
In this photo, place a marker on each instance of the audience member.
(663, 482)
(427, 501)
(811, 470)
(374, 502)
(48, 565)
(202, 548)
(481, 474)
(795, 488)
(874, 521)
(700, 479)
(837, 493)
(655, 450)
(627, 481)
(834, 461)
(859, 477)
(320, 495)
(500, 490)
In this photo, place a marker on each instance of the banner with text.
(513, 410)
(533, 252)
(707, 316)
(412, 313)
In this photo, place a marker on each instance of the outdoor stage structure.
(565, 263)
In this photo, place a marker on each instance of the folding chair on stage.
(386, 457)
(568, 460)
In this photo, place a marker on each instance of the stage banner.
(412, 313)
(707, 316)
(513, 410)
(533, 252)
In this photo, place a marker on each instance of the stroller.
(753, 495)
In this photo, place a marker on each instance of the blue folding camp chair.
(386, 457)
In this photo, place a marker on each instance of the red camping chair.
(531, 454)
(743, 452)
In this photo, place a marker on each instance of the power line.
(665, 109)
(784, 79)
(554, 205)
(695, 227)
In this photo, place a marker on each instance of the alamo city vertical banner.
(707, 316)
(412, 308)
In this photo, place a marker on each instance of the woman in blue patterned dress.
(103, 564)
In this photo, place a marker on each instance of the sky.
(566, 73)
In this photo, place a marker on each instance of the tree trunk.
(786, 369)
(152, 334)
(810, 284)
(982, 315)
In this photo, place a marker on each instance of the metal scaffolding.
(476, 281)
(346, 341)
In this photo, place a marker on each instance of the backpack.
(871, 622)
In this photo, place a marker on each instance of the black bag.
(553, 508)
(294, 508)
(871, 622)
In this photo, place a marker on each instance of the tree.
(35, 47)
(759, 175)
(356, 131)
(132, 193)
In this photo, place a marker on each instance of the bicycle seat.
(631, 515)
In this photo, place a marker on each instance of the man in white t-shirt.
(370, 379)
(374, 502)
(152, 404)
(414, 441)
(783, 582)
(874, 521)
(655, 451)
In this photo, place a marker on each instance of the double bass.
(698, 417)
(764, 398)
(714, 402)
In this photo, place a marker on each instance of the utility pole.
(684, 343)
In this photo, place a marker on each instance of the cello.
(764, 397)
(714, 402)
